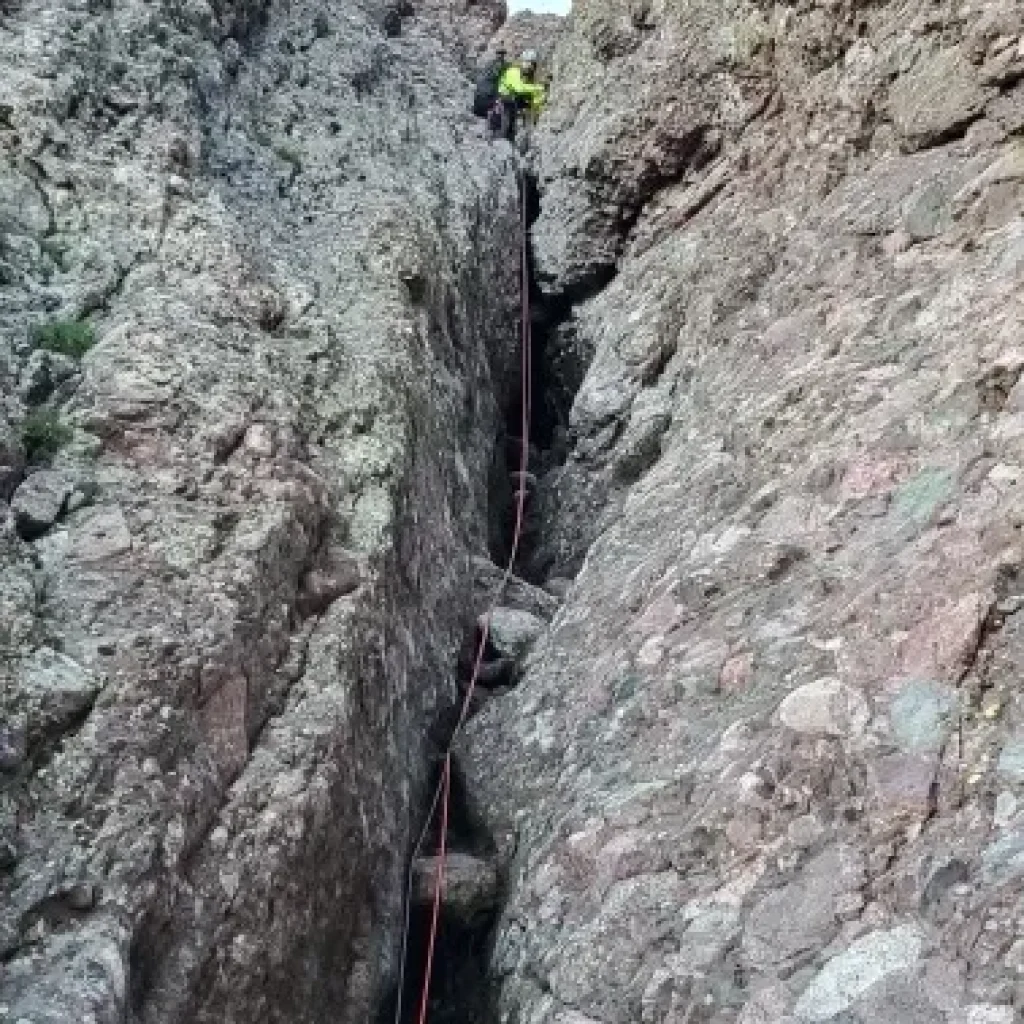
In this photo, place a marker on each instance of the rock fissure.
(462, 989)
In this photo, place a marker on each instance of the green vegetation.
(69, 337)
(43, 434)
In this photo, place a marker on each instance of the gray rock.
(518, 594)
(730, 200)
(937, 99)
(921, 715)
(12, 460)
(512, 633)
(300, 257)
(39, 501)
(855, 971)
(928, 213)
(802, 916)
(985, 1014)
(1002, 861)
(827, 707)
(558, 587)
(44, 373)
(13, 745)
(470, 886)
(53, 693)
(102, 534)
(1011, 759)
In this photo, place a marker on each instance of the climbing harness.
(442, 793)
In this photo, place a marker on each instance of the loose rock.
(826, 706)
(39, 501)
(53, 692)
(512, 633)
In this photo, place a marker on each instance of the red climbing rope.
(443, 791)
(446, 777)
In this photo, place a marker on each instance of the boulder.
(512, 632)
(470, 889)
(937, 99)
(54, 691)
(39, 501)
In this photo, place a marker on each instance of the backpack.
(487, 88)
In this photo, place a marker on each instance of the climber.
(486, 97)
(518, 91)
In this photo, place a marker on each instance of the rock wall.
(257, 271)
(766, 764)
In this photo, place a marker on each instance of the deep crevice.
(460, 987)
(558, 368)
(462, 991)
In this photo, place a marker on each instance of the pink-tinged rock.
(942, 644)
(224, 725)
(660, 616)
(901, 784)
(866, 477)
(628, 854)
(745, 831)
(736, 673)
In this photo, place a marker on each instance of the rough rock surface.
(766, 765)
(218, 669)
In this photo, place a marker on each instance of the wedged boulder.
(39, 501)
(512, 632)
(518, 594)
(470, 890)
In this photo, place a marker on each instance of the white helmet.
(529, 57)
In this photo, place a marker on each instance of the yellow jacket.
(512, 85)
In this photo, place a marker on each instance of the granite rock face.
(764, 766)
(221, 653)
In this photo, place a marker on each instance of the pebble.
(827, 707)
